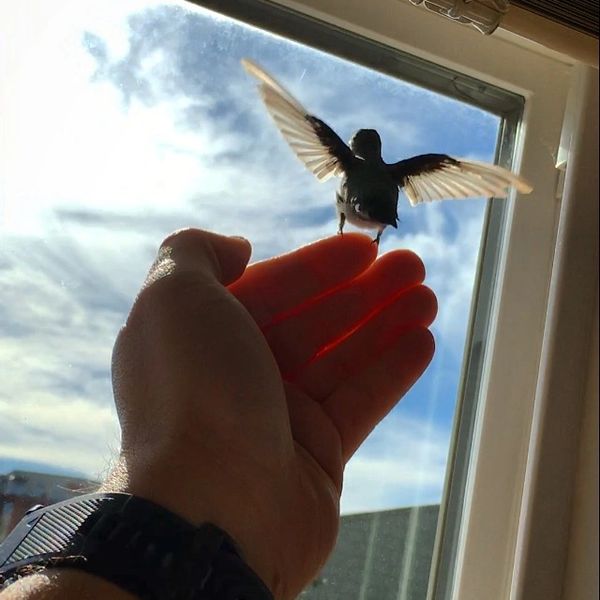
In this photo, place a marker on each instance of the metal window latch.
(484, 15)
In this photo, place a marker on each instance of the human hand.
(210, 427)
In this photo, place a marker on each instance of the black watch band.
(134, 543)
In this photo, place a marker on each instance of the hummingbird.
(368, 193)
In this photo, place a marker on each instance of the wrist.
(64, 584)
(168, 483)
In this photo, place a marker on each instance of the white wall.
(581, 579)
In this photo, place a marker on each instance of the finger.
(331, 368)
(273, 288)
(201, 252)
(363, 399)
(294, 341)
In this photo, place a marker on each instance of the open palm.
(271, 384)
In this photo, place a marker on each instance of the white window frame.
(528, 388)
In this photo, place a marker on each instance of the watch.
(134, 543)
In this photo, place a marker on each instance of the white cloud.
(71, 434)
(402, 463)
(451, 263)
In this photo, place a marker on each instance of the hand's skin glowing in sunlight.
(211, 339)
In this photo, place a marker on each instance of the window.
(146, 121)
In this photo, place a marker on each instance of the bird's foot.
(341, 223)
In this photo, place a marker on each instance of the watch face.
(51, 531)
(26, 490)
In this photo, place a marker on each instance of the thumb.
(197, 251)
(169, 318)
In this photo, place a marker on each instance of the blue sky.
(131, 119)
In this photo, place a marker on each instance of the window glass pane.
(127, 120)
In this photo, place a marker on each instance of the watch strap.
(136, 544)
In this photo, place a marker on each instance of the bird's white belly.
(355, 218)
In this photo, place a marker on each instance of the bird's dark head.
(366, 144)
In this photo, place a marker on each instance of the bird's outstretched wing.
(314, 142)
(438, 176)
